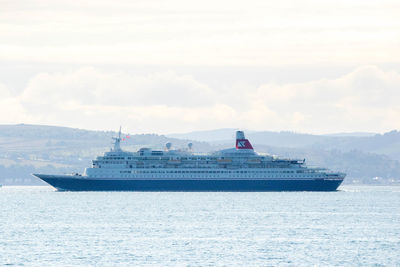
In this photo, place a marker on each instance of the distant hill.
(229, 133)
(26, 149)
(208, 135)
(386, 144)
(355, 134)
(286, 139)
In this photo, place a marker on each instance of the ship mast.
(117, 141)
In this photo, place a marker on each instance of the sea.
(355, 226)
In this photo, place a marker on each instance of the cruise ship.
(238, 169)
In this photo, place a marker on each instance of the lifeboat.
(174, 161)
(253, 161)
(224, 160)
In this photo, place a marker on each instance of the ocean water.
(356, 226)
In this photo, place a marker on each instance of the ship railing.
(314, 169)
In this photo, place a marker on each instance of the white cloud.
(91, 98)
(4, 92)
(88, 86)
(11, 110)
(365, 99)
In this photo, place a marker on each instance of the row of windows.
(156, 153)
(156, 158)
(108, 162)
(140, 171)
(98, 163)
(179, 158)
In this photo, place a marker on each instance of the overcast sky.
(176, 66)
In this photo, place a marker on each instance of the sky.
(178, 66)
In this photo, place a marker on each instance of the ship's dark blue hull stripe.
(84, 184)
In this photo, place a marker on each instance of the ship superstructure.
(235, 169)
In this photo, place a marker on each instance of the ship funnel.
(242, 142)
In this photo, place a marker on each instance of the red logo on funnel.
(243, 144)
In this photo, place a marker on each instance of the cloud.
(91, 98)
(365, 99)
(11, 110)
(88, 86)
(4, 92)
(361, 100)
